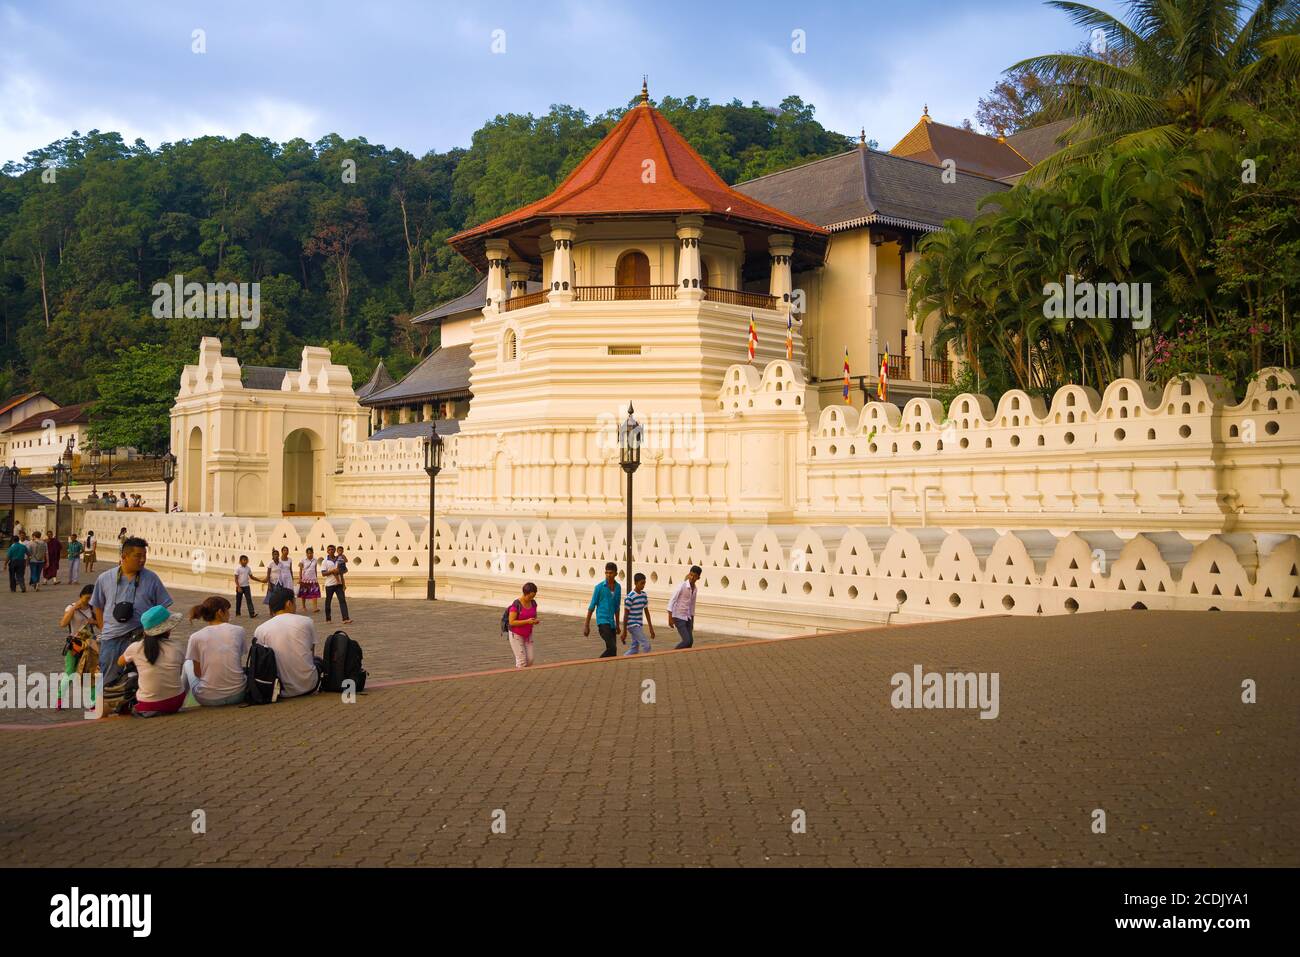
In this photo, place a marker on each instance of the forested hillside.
(90, 223)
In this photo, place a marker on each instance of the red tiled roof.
(65, 416)
(609, 181)
(17, 400)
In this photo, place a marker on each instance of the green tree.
(136, 391)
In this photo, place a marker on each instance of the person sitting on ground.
(160, 663)
(523, 616)
(214, 657)
(293, 639)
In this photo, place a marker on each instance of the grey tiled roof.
(472, 301)
(1042, 141)
(378, 381)
(864, 186)
(264, 377)
(416, 430)
(444, 372)
(21, 494)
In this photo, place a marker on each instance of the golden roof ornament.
(645, 91)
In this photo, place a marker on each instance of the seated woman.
(214, 658)
(160, 662)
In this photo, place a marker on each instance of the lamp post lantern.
(95, 456)
(168, 476)
(11, 479)
(629, 457)
(432, 465)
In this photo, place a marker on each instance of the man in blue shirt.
(16, 559)
(121, 596)
(606, 602)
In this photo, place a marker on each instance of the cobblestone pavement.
(401, 638)
(1138, 714)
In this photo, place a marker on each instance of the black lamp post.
(94, 469)
(11, 479)
(629, 457)
(169, 476)
(62, 474)
(432, 465)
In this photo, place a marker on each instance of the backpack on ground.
(343, 663)
(262, 675)
(119, 697)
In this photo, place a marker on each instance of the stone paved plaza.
(1135, 713)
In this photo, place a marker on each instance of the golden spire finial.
(925, 113)
(645, 90)
(862, 137)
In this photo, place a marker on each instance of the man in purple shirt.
(681, 608)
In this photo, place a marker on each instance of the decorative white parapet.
(758, 580)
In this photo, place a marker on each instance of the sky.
(425, 75)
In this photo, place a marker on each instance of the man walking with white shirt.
(681, 608)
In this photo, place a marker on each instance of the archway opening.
(303, 451)
(194, 471)
(633, 270)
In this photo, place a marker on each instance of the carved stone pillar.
(563, 233)
(498, 255)
(781, 246)
(690, 230)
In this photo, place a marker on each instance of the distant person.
(121, 536)
(284, 570)
(636, 619)
(329, 570)
(606, 599)
(37, 551)
(74, 549)
(308, 585)
(293, 639)
(271, 578)
(89, 555)
(243, 588)
(214, 657)
(160, 663)
(16, 562)
(522, 619)
(122, 595)
(54, 554)
(681, 609)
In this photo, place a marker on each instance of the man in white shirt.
(333, 581)
(681, 608)
(293, 639)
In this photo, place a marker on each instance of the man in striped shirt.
(634, 616)
(681, 609)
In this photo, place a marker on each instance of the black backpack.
(262, 675)
(505, 618)
(343, 663)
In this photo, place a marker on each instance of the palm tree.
(1175, 73)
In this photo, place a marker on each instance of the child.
(160, 663)
(272, 576)
(523, 616)
(308, 586)
(243, 590)
(635, 606)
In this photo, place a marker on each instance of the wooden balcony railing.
(738, 297)
(938, 371)
(524, 301)
(617, 293)
(900, 367)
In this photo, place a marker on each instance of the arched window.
(704, 272)
(510, 349)
(633, 270)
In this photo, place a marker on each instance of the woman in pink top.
(523, 616)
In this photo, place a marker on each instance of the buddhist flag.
(846, 373)
(882, 384)
(753, 336)
(789, 336)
